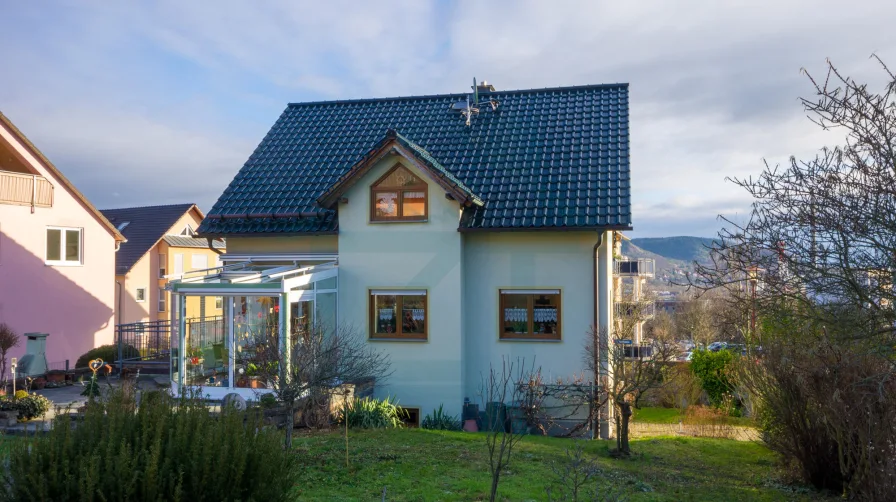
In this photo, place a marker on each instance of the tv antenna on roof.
(469, 109)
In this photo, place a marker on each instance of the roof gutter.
(211, 245)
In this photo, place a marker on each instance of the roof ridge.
(427, 156)
(454, 94)
(185, 204)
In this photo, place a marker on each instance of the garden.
(167, 449)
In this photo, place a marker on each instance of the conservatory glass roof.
(250, 278)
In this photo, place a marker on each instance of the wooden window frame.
(530, 293)
(398, 335)
(419, 187)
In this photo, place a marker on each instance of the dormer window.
(399, 195)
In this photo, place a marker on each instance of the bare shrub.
(812, 269)
(578, 477)
(513, 382)
(316, 367)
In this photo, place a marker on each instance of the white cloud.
(140, 95)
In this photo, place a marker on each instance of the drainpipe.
(211, 245)
(120, 288)
(603, 424)
(600, 238)
(595, 425)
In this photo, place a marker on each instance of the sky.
(162, 102)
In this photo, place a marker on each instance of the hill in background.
(674, 256)
(682, 248)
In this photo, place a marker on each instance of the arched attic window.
(399, 195)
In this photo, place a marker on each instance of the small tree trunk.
(626, 412)
(496, 476)
(290, 424)
(618, 419)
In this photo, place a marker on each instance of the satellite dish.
(235, 401)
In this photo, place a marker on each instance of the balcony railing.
(25, 190)
(644, 309)
(642, 351)
(643, 267)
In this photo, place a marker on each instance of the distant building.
(161, 242)
(57, 254)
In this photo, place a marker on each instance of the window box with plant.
(398, 314)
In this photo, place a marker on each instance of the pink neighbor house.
(57, 255)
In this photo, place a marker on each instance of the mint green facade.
(462, 274)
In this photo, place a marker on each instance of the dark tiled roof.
(181, 241)
(547, 158)
(147, 226)
(396, 143)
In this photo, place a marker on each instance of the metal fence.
(142, 342)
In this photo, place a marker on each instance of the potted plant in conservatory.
(252, 373)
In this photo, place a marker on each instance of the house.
(57, 255)
(450, 231)
(161, 242)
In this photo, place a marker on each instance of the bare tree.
(810, 275)
(318, 362)
(8, 340)
(694, 321)
(629, 375)
(513, 382)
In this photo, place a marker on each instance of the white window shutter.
(178, 264)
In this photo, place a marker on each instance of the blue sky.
(162, 102)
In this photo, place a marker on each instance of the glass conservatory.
(226, 322)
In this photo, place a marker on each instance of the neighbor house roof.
(146, 226)
(180, 241)
(62, 179)
(545, 159)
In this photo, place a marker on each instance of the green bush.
(33, 406)
(166, 449)
(712, 370)
(28, 405)
(439, 420)
(108, 353)
(370, 413)
(268, 401)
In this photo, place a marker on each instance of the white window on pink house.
(63, 246)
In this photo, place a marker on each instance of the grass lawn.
(673, 416)
(423, 465)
